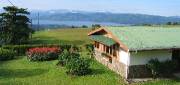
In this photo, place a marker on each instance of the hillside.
(121, 18)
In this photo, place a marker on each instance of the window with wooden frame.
(114, 52)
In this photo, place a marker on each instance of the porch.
(110, 58)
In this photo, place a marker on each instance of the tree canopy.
(15, 27)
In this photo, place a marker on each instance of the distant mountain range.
(120, 18)
(99, 17)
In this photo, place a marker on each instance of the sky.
(152, 7)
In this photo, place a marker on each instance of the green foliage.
(155, 66)
(95, 26)
(173, 23)
(169, 23)
(78, 66)
(74, 64)
(84, 26)
(21, 72)
(66, 56)
(16, 25)
(22, 49)
(42, 56)
(158, 68)
(90, 49)
(6, 54)
(5, 38)
(74, 48)
(63, 57)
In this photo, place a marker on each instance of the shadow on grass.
(176, 79)
(48, 41)
(6, 61)
(18, 57)
(21, 73)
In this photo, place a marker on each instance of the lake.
(75, 23)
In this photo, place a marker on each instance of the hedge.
(22, 49)
(43, 53)
(6, 54)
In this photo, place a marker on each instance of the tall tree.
(15, 24)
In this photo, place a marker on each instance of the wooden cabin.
(127, 50)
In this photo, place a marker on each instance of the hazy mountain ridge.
(122, 18)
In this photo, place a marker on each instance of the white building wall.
(143, 57)
(124, 57)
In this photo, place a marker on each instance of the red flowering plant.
(43, 53)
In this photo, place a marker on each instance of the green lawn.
(62, 36)
(22, 72)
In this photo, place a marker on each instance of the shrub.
(74, 48)
(6, 54)
(22, 49)
(154, 66)
(41, 54)
(66, 56)
(158, 68)
(78, 66)
(63, 58)
(74, 64)
(90, 49)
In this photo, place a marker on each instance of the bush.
(78, 66)
(158, 68)
(66, 56)
(74, 64)
(22, 49)
(74, 48)
(154, 66)
(90, 49)
(6, 54)
(63, 58)
(42, 54)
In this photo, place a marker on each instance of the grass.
(62, 36)
(22, 72)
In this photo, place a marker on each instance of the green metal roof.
(102, 39)
(147, 38)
